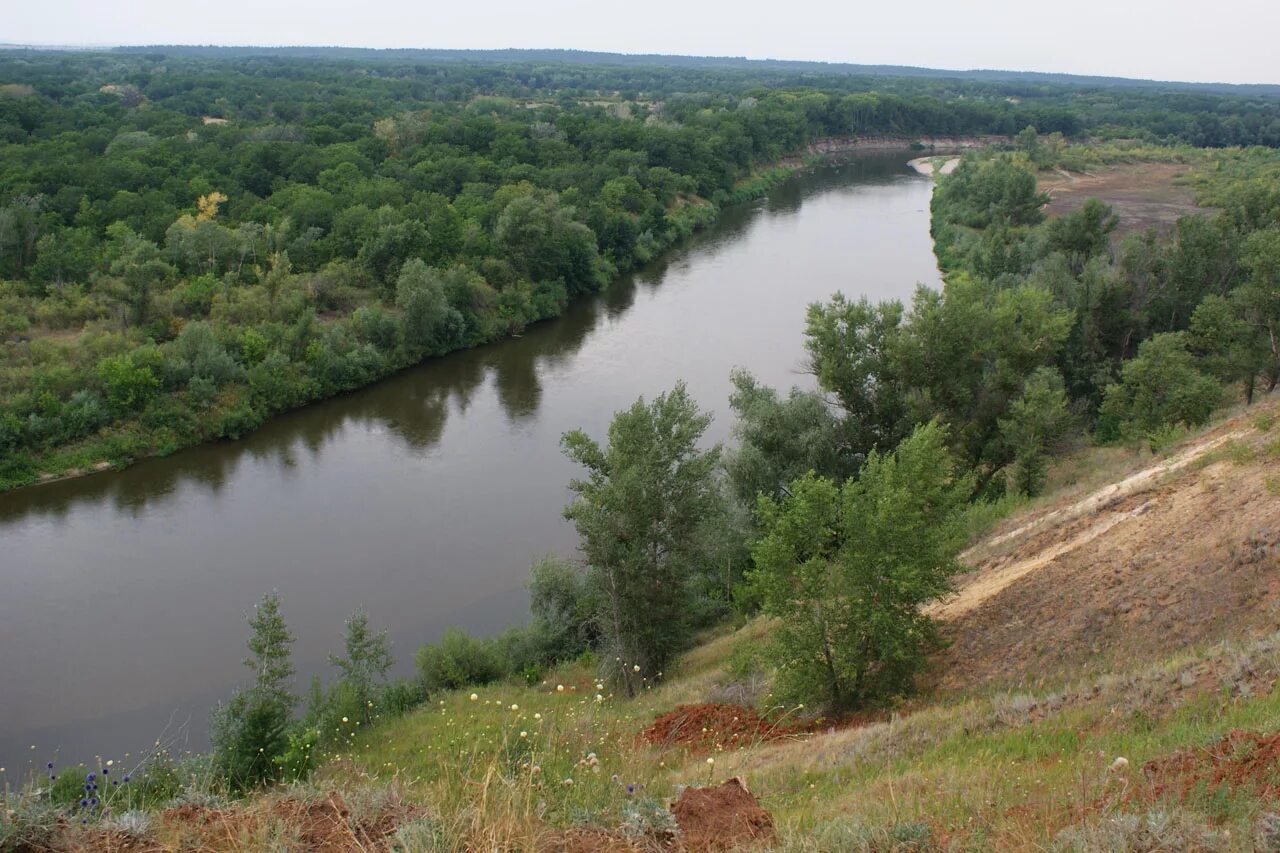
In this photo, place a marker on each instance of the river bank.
(126, 442)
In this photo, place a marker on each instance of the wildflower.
(635, 668)
(537, 716)
(524, 734)
(631, 788)
(474, 697)
(344, 719)
(559, 688)
(711, 761)
(599, 698)
(49, 765)
(515, 707)
(568, 782)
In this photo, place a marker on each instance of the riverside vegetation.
(836, 517)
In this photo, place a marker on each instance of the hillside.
(1108, 685)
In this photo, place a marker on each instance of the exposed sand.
(930, 165)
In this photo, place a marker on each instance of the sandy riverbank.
(930, 165)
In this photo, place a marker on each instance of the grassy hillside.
(1108, 685)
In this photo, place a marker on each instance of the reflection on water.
(423, 498)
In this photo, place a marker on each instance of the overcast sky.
(1236, 41)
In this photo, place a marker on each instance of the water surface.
(424, 498)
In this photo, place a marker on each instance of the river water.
(424, 498)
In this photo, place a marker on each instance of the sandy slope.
(1184, 550)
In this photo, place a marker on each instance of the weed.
(1152, 831)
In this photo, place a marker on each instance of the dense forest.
(191, 242)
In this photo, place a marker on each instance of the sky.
(1231, 41)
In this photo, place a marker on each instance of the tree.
(852, 352)
(1161, 387)
(431, 325)
(780, 439)
(1259, 298)
(1082, 235)
(368, 657)
(1037, 420)
(638, 515)
(846, 571)
(249, 733)
(564, 610)
(545, 243)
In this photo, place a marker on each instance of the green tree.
(1037, 419)
(249, 733)
(639, 517)
(542, 239)
(846, 571)
(1161, 387)
(366, 661)
(853, 352)
(1083, 234)
(431, 325)
(780, 439)
(127, 384)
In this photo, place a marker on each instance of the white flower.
(635, 668)
(515, 707)
(711, 761)
(474, 697)
(559, 688)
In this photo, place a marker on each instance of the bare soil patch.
(723, 817)
(1143, 195)
(1239, 761)
(710, 725)
(1183, 552)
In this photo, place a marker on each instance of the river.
(424, 498)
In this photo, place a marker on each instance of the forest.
(194, 240)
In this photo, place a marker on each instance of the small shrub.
(1264, 421)
(421, 836)
(1153, 831)
(458, 660)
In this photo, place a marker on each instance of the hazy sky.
(1227, 40)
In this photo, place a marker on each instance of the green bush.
(459, 660)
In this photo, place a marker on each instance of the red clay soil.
(724, 817)
(1238, 760)
(709, 725)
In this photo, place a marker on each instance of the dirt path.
(984, 584)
